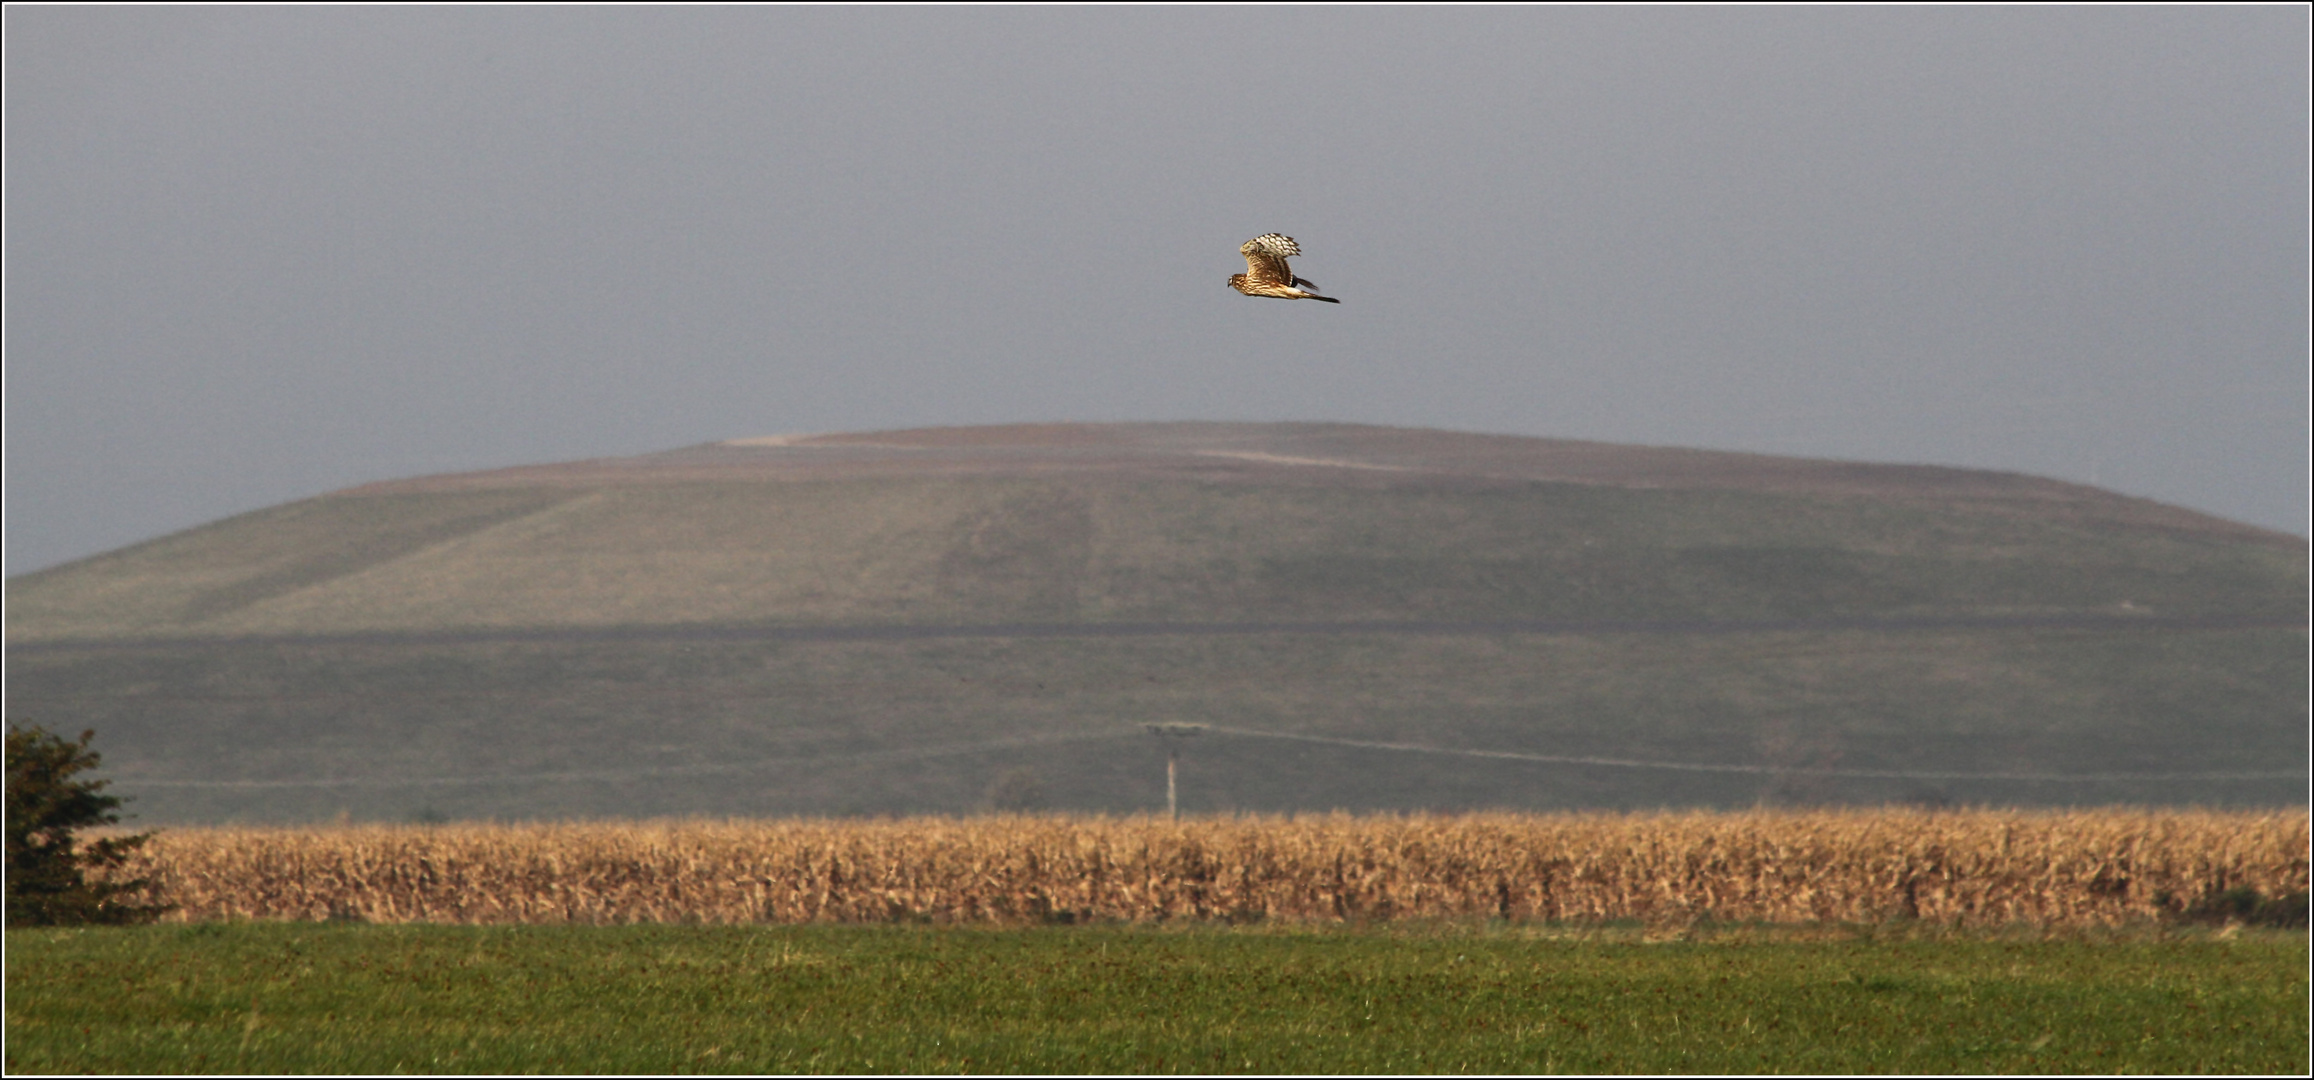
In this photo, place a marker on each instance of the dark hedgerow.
(47, 868)
(2246, 905)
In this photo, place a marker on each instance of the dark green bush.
(48, 868)
(2241, 905)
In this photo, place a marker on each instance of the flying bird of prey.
(1266, 273)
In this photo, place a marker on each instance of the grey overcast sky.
(255, 254)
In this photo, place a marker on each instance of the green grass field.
(645, 999)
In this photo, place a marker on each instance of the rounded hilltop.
(1261, 451)
(1148, 521)
(891, 621)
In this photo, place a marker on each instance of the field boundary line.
(1685, 766)
(1127, 733)
(621, 774)
(580, 635)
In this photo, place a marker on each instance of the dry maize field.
(1971, 868)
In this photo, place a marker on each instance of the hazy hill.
(925, 620)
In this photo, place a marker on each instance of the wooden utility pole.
(1171, 734)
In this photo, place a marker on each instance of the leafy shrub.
(48, 869)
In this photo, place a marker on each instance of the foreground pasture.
(1453, 997)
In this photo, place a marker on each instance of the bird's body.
(1266, 273)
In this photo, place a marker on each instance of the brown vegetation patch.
(2070, 869)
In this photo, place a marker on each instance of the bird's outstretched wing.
(1265, 259)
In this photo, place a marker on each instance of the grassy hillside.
(389, 652)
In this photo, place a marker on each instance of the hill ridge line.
(1162, 629)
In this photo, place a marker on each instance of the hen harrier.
(1266, 273)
